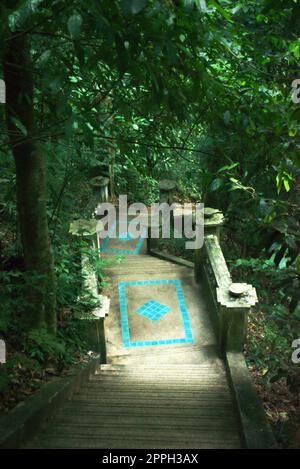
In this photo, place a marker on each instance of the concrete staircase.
(147, 406)
(156, 396)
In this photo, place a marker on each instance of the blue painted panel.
(150, 309)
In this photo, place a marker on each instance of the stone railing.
(231, 302)
(92, 324)
(230, 306)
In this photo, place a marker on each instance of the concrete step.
(139, 393)
(148, 395)
(124, 386)
(141, 258)
(154, 401)
(165, 357)
(168, 406)
(138, 262)
(143, 416)
(159, 267)
(146, 265)
(194, 376)
(108, 375)
(78, 437)
(133, 275)
(215, 364)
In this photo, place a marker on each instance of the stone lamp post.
(213, 221)
(166, 195)
(86, 229)
(99, 185)
(166, 190)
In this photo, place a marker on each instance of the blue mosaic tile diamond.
(153, 310)
(126, 339)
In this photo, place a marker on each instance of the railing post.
(231, 301)
(92, 325)
(99, 186)
(86, 230)
(155, 226)
(213, 222)
(166, 191)
(235, 302)
(166, 195)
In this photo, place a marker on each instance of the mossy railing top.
(232, 301)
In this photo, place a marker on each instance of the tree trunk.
(31, 185)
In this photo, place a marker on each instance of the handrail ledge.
(256, 431)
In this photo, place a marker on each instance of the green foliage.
(42, 346)
(273, 326)
(270, 350)
(4, 383)
(14, 285)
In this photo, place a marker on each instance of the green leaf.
(74, 25)
(20, 126)
(220, 9)
(227, 168)
(294, 48)
(296, 311)
(279, 183)
(293, 130)
(286, 185)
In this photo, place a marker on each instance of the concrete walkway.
(163, 385)
(196, 347)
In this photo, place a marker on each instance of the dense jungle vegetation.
(196, 91)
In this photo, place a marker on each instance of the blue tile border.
(124, 315)
(135, 251)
